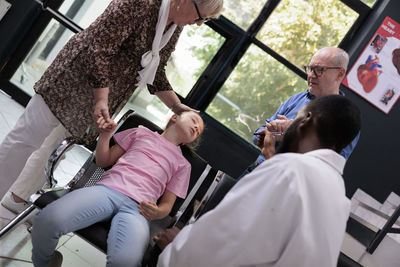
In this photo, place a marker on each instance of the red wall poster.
(376, 74)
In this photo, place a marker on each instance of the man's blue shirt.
(289, 109)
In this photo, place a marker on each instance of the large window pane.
(52, 40)
(83, 12)
(297, 29)
(194, 51)
(242, 12)
(253, 92)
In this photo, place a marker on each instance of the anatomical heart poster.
(376, 74)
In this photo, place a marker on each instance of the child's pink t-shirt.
(150, 165)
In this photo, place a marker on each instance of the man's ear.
(306, 121)
(341, 74)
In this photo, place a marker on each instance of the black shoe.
(57, 259)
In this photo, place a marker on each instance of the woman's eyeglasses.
(200, 19)
(318, 70)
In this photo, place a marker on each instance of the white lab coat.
(290, 211)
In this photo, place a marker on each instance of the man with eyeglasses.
(325, 73)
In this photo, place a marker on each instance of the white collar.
(330, 157)
(151, 59)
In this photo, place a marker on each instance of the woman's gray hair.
(212, 7)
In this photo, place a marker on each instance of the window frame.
(237, 41)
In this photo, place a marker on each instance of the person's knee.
(128, 254)
(48, 223)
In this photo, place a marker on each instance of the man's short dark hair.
(338, 120)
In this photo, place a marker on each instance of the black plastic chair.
(201, 177)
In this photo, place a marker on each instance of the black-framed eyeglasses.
(200, 19)
(318, 70)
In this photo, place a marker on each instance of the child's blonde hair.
(195, 143)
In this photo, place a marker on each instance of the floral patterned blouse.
(106, 54)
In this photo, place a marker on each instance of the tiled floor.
(15, 247)
(388, 252)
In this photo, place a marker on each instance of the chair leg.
(150, 257)
(20, 217)
(387, 228)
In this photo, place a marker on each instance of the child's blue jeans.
(129, 233)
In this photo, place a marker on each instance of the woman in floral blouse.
(98, 70)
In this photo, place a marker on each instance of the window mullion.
(65, 21)
(266, 11)
(280, 58)
(358, 6)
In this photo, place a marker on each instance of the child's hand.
(106, 126)
(149, 210)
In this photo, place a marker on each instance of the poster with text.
(376, 74)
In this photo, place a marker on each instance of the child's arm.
(106, 156)
(151, 211)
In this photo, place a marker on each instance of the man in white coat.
(291, 210)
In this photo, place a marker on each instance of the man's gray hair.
(341, 58)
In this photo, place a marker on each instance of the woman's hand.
(149, 210)
(171, 100)
(178, 108)
(101, 107)
(101, 111)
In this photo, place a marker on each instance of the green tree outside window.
(259, 84)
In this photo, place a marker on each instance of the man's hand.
(260, 138)
(162, 239)
(280, 125)
(149, 210)
(268, 148)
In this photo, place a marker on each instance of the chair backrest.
(223, 187)
(90, 174)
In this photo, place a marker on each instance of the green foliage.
(297, 29)
(211, 42)
(258, 87)
(259, 84)
(369, 2)
(242, 12)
